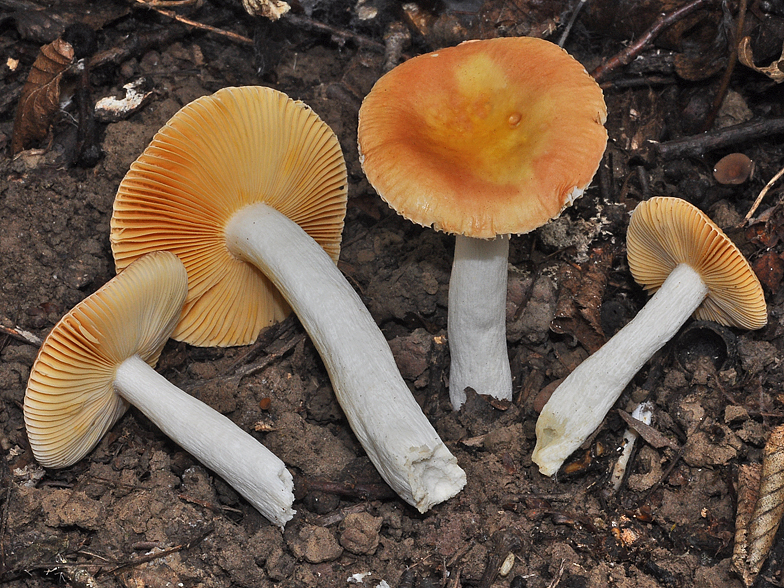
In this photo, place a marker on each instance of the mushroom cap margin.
(218, 154)
(666, 231)
(70, 402)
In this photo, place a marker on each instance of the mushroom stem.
(248, 467)
(477, 319)
(578, 406)
(380, 408)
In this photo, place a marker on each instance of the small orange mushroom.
(482, 140)
(734, 168)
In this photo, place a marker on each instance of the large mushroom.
(676, 251)
(99, 359)
(248, 188)
(483, 140)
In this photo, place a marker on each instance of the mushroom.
(248, 188)
(676, 251)
(98, 360)
(482, 140)
(734, 168)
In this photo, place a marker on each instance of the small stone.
(359, 533)
(314, 544)
(734, 413)
(66, 508)
(280, 565)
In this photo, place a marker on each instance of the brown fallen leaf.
(652, 436)
(578, 309)
(769, 268)
(755, 533)
(40, 99)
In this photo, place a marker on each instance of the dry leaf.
(652, 436)
(578, 309)
(271, 9)
(775, 71)
(40, 99)
(748, 490)
(754, 539)
(769, 268)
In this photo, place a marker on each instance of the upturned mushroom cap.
(664, 232)
(217, 155)
(487, 138)
(70, 401)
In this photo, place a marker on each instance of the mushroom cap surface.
(70, 402)
(217, 155)
(664, 232)
(734, 168)
(487, 138)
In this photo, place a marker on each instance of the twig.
(762, 193)
(725, 80)
(557, 579)
(22, 335)
(570, 24)
(716, 139)
(627, 55)
(192, 23)
(309, 23)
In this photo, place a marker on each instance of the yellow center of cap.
(485, 124)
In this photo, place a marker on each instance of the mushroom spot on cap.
(70, 402)
(217, 155)
(664, 232)
(489, 137)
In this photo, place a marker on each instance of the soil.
(138, 511)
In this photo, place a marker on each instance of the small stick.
(762, 193)
(717, 139)
(627, 55)
(570, 24)
(171, 14)
(725, 80)
(309, 23)
(22, 335)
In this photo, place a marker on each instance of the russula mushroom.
(98, 360)
(248, 188)
(676, 251)
(734, 168)
(482, 140)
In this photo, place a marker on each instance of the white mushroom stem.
(477, 319)
(244, 463)
(380, 408)
(578, 406)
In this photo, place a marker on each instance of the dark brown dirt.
(138, 511)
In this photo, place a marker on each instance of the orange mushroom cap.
(734, 168)
(489, 137)
(70, 401)
(664, 232)
(217, 155)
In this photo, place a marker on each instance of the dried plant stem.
(762, 193)
(627, 55)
